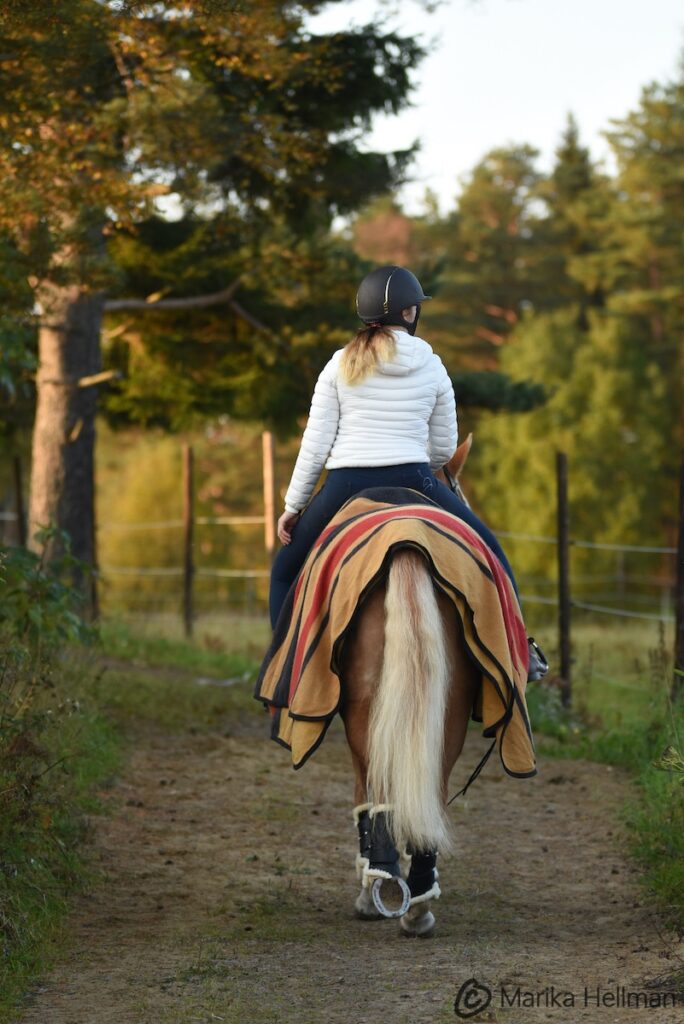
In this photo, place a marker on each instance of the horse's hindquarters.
(408, 690)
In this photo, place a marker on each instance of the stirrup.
(539, 666)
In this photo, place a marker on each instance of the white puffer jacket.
(402, 412)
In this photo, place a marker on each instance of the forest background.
(558, 297)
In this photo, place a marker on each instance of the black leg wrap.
(383, 854)
(423, 874)
(364, 826)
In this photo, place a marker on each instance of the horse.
(408, 689)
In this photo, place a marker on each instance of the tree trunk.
(62, 472)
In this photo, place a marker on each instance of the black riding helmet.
(385, 292)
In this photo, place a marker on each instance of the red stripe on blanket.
(317, 543)
(515, 630)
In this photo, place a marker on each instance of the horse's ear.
(458, 459)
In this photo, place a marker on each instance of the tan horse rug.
(299, 680)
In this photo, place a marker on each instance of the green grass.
(617, 668)
(621, 714)
(174, 683)
(42, 843)
(221, 645)
(99, 701)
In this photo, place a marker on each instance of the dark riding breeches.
(342, 484)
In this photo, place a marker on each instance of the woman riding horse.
(383, 415)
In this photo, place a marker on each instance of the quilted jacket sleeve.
(317, 439)
(443, 426)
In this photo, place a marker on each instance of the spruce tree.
(577, 199)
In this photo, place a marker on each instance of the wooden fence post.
(564, 575)
(188, 518)
(678, 678)
(268, 450)
(19, 502)
(93, 594)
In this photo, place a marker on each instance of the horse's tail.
(406, 738)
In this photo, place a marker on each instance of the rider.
(383, 414)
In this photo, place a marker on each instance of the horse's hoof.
(365, 915)
(422, 927)
(364, 908)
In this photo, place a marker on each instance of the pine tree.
(616, 373)
(236, 110)
(180, 365)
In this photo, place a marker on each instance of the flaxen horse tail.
(406, 734)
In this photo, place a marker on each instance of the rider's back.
(389, 416)
(401, 412)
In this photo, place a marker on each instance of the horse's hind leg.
(355, 715)
(465, 680)
(362, 665)
(419, 920)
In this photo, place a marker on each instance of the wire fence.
(604, 593)
(622, 582)
(214, 572)
(625, 581)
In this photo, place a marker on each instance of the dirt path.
(229, 887)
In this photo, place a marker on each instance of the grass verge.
(639, 728)
(50, 790)
(88, 710)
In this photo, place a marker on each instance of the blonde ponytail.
(370, 346)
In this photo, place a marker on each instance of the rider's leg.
(439, 492)
(340, 485)
(291, 557)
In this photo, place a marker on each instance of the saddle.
(299, 680)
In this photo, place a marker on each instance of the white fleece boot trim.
(377, 808)
(373, 873)
(358, 811)
(432, 894)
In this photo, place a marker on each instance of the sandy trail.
(228, 888)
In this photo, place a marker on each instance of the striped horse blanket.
(299, 680)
